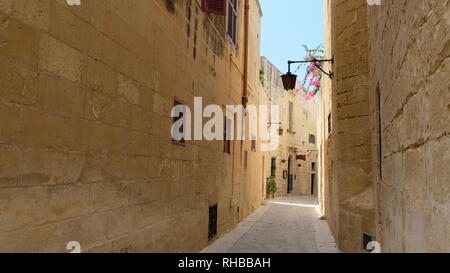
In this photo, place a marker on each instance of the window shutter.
(214, 6)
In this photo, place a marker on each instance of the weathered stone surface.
(10, 166)
(85, 147)
(6, 6)
(34, 13)
(19, 82)
(414, 77)
(348, 161)
(60, 59)
(23, 207)
(10, 116)
(18, 40)
(395, 119)
(128, 91)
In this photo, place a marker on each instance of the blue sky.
(286, 25)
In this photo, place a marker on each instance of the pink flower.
(308, 98)
(315, 83)
(311, 94)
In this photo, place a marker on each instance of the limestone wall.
(410, 68)
(347, 145)
(384, 164)
(85, 147)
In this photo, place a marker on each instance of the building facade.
(294, 160)
(86, 151)
(384, 125)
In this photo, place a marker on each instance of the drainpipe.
(245, 78)
(246, 30)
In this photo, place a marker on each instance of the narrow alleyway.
(284, 225)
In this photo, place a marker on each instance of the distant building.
(294, 162)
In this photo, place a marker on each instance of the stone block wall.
(85, 147)
(385, 161)
(347, 144)
(409, 67)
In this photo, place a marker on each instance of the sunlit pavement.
(284, 225)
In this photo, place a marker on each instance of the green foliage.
(271, 186)
(261, 76)
(318, 51)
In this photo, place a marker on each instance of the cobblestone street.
(284, 225)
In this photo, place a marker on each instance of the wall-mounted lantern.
(290, 80)
(280, 129)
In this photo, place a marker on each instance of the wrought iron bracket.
(329, 74)
(274, 123)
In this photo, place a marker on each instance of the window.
(181, 129)
(313, 166)
(232, 20)
(192, 21)
(253, 144)
(227, 136)
(291, 113)
(273, 167)
(194, 49)
(329, 123)
(312, 139)
(212, 227)
(188, 17)
(214, 6)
